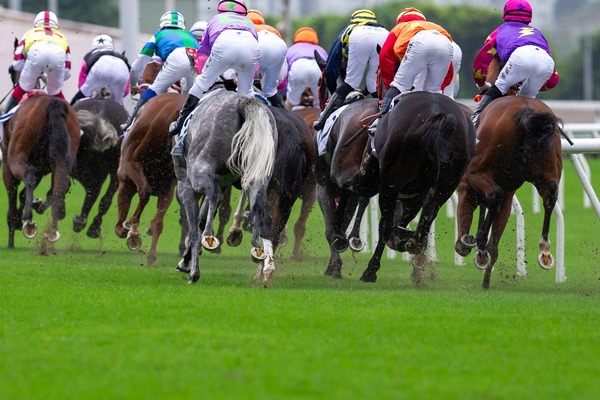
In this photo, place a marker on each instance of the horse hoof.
(194, 278)
(79, 223)
(182, 266)
(412, 246)
(234, 237)
(546, 260)
(356, 245)
(482, 259)
(52, 237)
(210, 242)
(93, 233)
(29, 229)
(126, 225)
(283, 240)
(258, 254)
(368, 277)
(268, 277)
(340, 245)
(469, 240)
(38, 205)
(149, 232)
(334, 272)
(419, 261)
(134, 241)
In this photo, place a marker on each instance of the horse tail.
(55, 130)
(253, 146)
(106, 135)
(290, 161)
(437, 134)
(537, 130)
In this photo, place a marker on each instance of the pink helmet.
(518, 11)
(236, 6)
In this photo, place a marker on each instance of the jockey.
(198, 30)
(103, 66)
(303, 70)
(523, 50)
(43, 49)
(421, 47)
(176, 47)
(358, 43)
(272, 50)
(230, 41)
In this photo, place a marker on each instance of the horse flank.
(55, 129)
(253, 146)
(437, 134)
(106, 134)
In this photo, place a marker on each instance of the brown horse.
(519, 141)
(42, 137)
(146, 168)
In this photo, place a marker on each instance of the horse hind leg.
(94, 230)
(162, 205)
(235, 235)
(91, 194)
(549, 194)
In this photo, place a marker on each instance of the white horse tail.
(253, 146)
(106, 135)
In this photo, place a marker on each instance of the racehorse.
(424, 145)
(41, 138)
(519, 141)
(97, 157)
(146, 168)
(230, 136)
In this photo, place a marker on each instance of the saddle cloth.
(323, 135)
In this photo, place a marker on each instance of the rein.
(361, 130)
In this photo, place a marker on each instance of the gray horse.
(230, 137)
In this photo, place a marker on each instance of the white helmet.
(198, 29)
(103, 42)
(171, 19)
(46, 19)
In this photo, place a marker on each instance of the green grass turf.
(91, 320)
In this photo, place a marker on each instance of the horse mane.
(253, 146)
(55, 130)
(104, 135)
(437, 134)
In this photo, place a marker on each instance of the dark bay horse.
(42, 137)
(97, 157)
(231, 136)
(519, 141)
(424, 145)
(146, 169)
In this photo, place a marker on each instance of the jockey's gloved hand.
(387, 99)
(484, 88)
(11, 70)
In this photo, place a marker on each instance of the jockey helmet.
(235, 6)
(103, 42)
(171, 19)
(362, 15)
(410, 14)
(518, 11)
(306, 34)
(256, 17)
(46, 19)
(198, 29)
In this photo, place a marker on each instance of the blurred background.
(572, 28)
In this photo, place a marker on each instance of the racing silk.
(304, 50)
(338, 51)
(503, 42)
(38, 35)
(223, 22)
(394, 47)
(90, 59)
(163, 42)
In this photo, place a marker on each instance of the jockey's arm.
(137, 69)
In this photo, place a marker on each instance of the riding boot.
(276, 100)
(10, 104)
(336, 101)
(492, 93)
(129, 121)
(190, 103)
(78, 95)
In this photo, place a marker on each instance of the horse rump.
(437, 135)
(55, 130)
(537, 129)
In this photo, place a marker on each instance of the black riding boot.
(337, 99)
(276, 100)
(190, 103)
(129, 121)
(10, 104)
(492, 93)
(78, 95)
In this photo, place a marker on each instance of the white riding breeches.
(108, 71)
(49, 58)
(177, 67)
(531, 65)
(232, 49)
(428, 52)
(362, 53)
(304, 73)
(272, 56)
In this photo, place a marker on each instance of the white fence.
(581, 146)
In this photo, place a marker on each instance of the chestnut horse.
(519, 141)
(42, 137)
